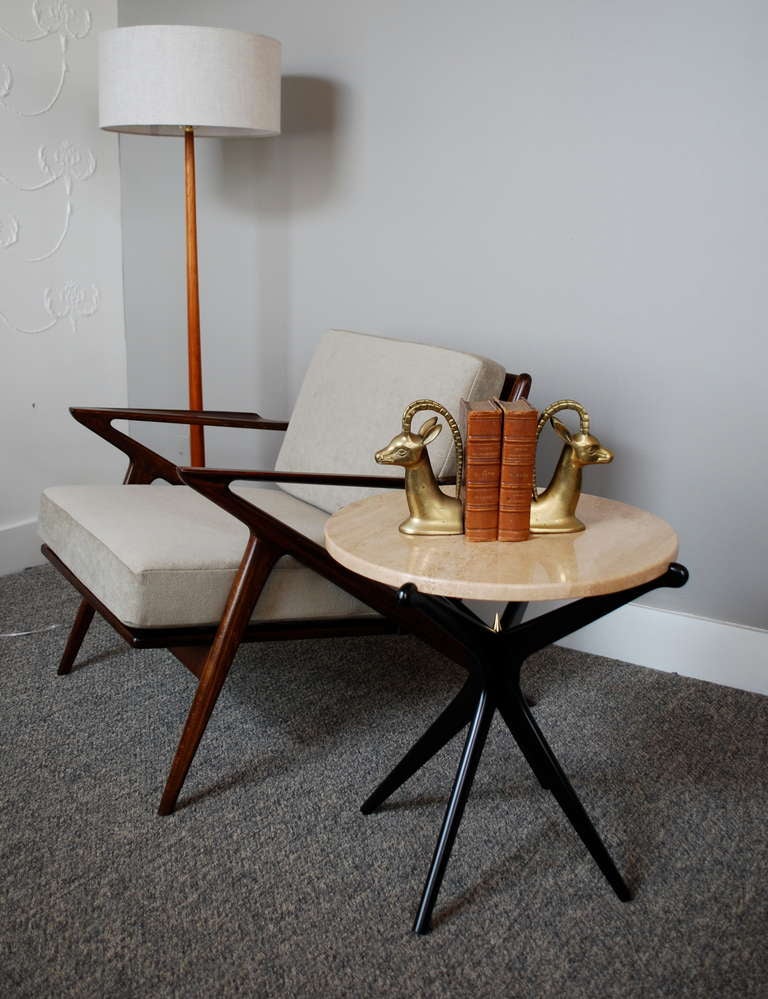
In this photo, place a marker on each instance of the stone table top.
(621, 547)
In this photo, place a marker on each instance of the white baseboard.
(19, 547)
(728, 654)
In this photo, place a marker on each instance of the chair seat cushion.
(164, 556)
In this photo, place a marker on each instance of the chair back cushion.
(351, 404)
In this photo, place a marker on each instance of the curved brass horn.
(429, 404)
(561, 404)
(548, 413)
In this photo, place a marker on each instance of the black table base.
(496, 658)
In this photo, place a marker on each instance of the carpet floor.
(268, 881)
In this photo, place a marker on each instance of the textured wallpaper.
(61, 312)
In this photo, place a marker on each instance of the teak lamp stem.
(180, 79)
(196, 439)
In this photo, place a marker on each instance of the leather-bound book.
(518, 454)
(482, 468)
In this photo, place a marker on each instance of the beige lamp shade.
(160, 79)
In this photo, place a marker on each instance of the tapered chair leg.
(470, 757)
(450, 722)
(80, 626)
(254, 570)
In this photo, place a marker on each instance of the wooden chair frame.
(208, 652)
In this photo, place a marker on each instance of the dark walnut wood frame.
(208, 652)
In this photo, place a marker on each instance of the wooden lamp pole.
(165, 79)
(196, 438)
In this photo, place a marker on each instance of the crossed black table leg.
(493, 684)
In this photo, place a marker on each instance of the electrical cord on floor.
(33, 631)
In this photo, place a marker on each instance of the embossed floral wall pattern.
(62, 321)
(59, 165)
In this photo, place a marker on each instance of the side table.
(624, 553)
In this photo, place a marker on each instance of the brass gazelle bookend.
(432, 511)
(554, 510)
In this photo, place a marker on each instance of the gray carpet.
(269, 882)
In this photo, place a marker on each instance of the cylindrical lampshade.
(159, 79)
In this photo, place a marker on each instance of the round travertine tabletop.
(621, 547)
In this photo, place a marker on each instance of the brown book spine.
(482, 469)
(518, 453)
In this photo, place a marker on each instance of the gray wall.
(576, 189)
(62, 340)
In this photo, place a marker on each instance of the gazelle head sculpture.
(431, 510)
(553, 510)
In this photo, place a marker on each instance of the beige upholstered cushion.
(352, 400)
(164, 556)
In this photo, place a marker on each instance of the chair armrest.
(224, 476)
(214, 483)
(146, 465)
(204, 417)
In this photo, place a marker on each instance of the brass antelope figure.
(554, 510)
(432, 511)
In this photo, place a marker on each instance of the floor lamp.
(181, 80)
